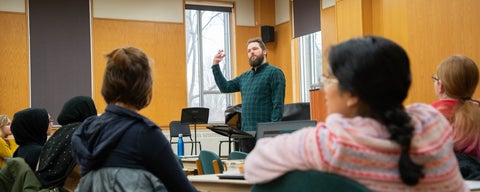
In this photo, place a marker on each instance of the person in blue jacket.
(121, 137)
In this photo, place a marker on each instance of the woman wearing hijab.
(29, 127)
(56, 161)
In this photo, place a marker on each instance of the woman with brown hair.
(455, 83)
(121, 144)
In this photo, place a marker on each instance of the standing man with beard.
(262, 89)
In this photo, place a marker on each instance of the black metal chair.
(176, 128)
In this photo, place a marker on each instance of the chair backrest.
(309, 181)
(237, 155)
(271, 129)
(296, 111)
(176, 128)
(206, 157)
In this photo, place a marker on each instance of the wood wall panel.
(329, 32)
(164, 43)
(282, 54)
(349, 19)
(319, 111)
(367, 17)
(296, 82)
(428, 31)
(437, 30)
(242, 35)
(389, 19)
(267, 12)
(14, 67)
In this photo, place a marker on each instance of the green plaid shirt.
(263, 93)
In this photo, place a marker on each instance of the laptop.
(271, 129)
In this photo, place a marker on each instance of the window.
(310, 56)
(207, 31)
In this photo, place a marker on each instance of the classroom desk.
(189, 163)
(212, 183)
(473, 185)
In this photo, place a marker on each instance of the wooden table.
(473, 185)
(212, 183)
(190, 163)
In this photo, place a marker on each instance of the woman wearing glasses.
(455, 83)
(368, 136)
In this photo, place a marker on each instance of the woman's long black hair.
(377, 71)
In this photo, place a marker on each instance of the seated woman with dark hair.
(30, 127)
(368, 136)
(455, 82)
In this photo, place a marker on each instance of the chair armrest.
(199, 167)
(216, 167)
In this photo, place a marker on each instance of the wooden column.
(318, 110)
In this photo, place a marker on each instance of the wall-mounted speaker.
(268, 34)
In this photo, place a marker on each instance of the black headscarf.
(56, 161)
(77, 109)
(30, 126)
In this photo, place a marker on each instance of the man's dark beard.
(257, 62)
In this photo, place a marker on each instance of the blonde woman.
(6, 150)
(455, 82)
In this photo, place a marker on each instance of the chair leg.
(220, 148)
(199, 167)
(191, 148)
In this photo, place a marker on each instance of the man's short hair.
(259, 41)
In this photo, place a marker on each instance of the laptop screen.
(271, 129)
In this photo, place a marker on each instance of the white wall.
(327, 3)
(145, 10)
(12, 6)
(282, 11)
(245, 13)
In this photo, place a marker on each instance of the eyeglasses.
(327, 80)
(435, 78)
